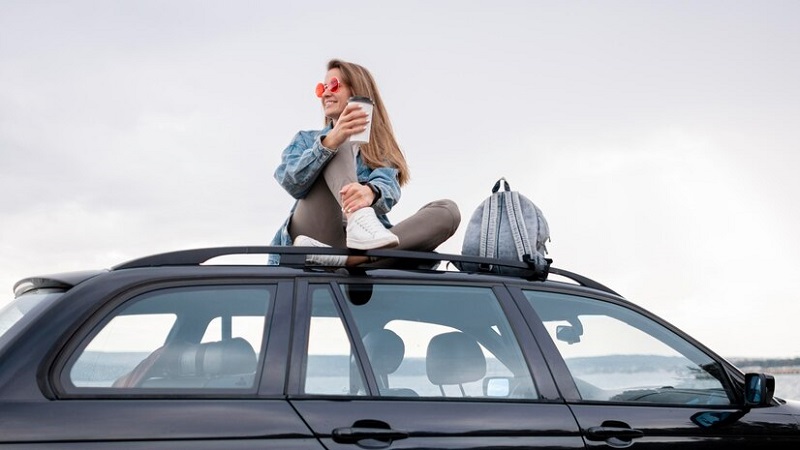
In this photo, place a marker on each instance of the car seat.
(230, 363)
(218, 359)
(386, 350)
(454, 358)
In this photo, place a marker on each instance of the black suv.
(170, 351)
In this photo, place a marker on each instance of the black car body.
(169, 352)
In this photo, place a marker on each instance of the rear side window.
(205, 337)
(329, 362)
(419, 341)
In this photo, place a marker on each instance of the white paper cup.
(366, 104)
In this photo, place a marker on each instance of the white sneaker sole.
(319, 260)
(386, 242)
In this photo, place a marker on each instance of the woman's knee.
(449, 216)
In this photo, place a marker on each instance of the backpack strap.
(516, 222)
(490, 221)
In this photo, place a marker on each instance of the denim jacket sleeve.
(385, 180)
(302, 162)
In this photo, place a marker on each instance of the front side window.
(205, 337)
(618, 355)
(436, 341)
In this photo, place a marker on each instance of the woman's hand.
(352, 120)
(356, 196)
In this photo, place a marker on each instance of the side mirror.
(497, 387)
(758, 389)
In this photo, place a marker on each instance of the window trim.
(561, 371)
(359, 351)
(59, 373)
(303, 309)
(529, 349)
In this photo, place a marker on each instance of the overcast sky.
(660, 138)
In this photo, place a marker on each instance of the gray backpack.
(508, 226)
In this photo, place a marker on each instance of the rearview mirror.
(571, 334)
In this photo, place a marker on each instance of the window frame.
(88, 329)
(534, 360)
(349, 328)
(562, 372)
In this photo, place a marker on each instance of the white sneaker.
(366, 232)
(320, 260)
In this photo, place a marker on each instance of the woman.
(345, 190)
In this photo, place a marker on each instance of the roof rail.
(291, 256)
(583, 281)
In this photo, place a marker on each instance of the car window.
(329, 365)
(618, 355)
(206, 337)
(438, 341)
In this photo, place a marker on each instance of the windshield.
(22, 310)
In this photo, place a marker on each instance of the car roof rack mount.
(291, 256)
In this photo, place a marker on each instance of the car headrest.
(385, 350)
(454, 358)
(226, 357)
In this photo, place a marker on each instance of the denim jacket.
(302, 163)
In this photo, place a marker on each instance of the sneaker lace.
(372, 227)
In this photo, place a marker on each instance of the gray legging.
(319, 214)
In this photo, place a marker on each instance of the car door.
(633, 380)
(422, 365)
(177, 365)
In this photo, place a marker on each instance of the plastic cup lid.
(360, 99)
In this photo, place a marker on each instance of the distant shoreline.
(769, 365)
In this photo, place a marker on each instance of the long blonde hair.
(382, 150)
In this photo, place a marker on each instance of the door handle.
(351, 435)
(605, 433)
